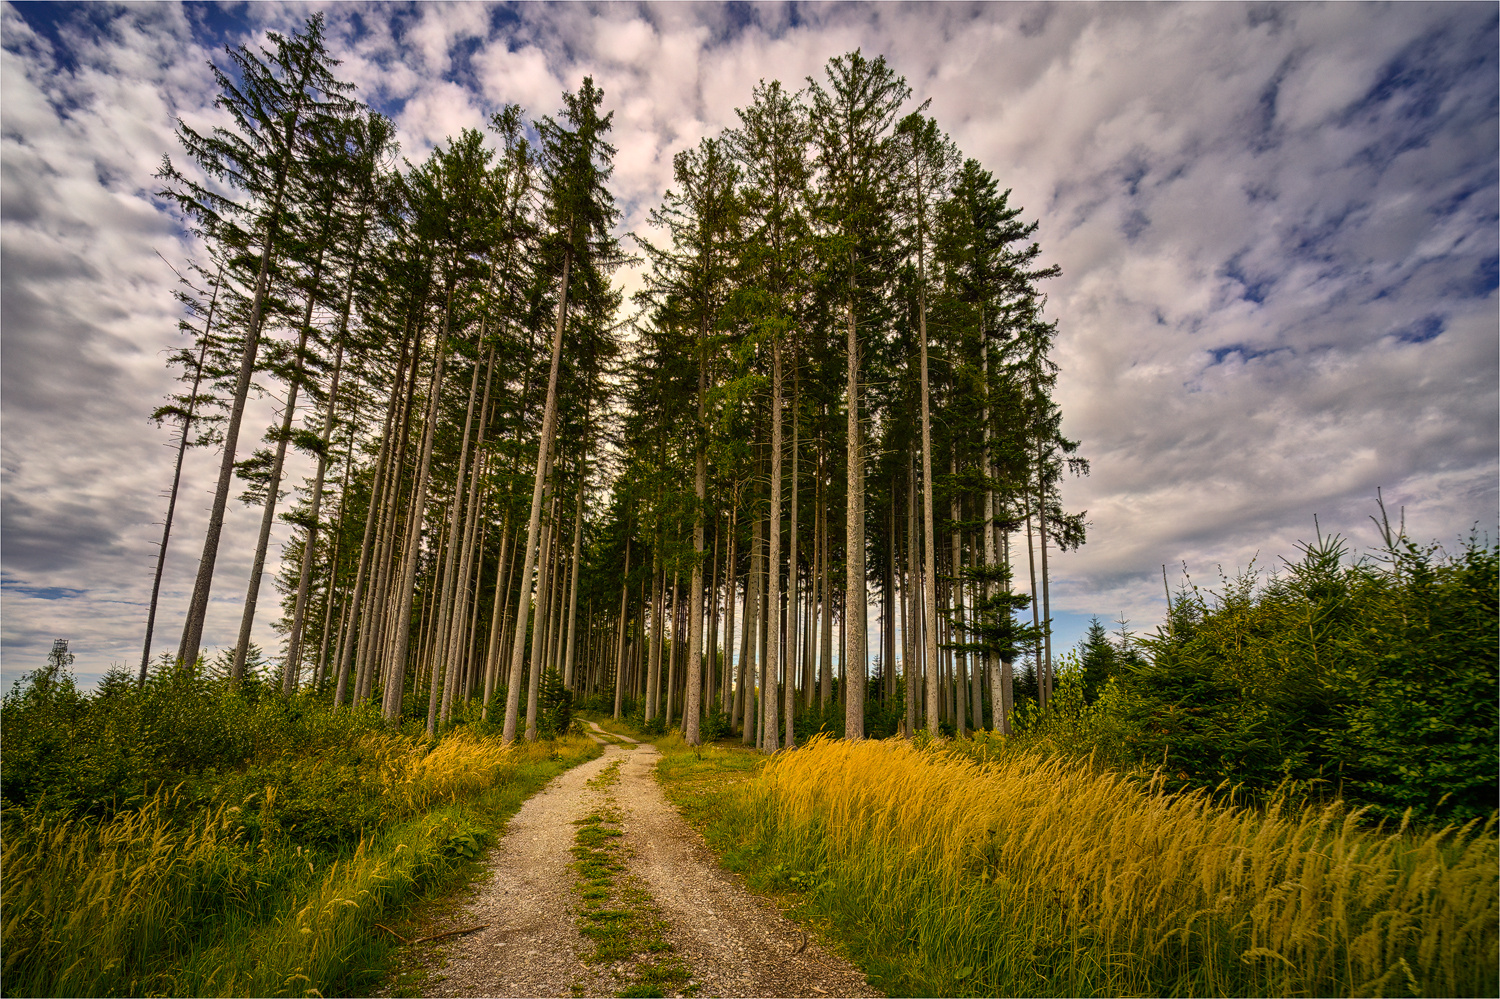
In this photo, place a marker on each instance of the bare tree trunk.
(929, 545)
(1042, 539)
(268, 511)
(854, 664)
(396, 666)
(192, 631)
(693, 706)
(888, 604)
(764, 636)
(825, 653)
(439, 686)
(672, 657)
(387, 471)
(956, 604)
(620, 652)
(814, 583)
(320, 675)
(1007, 666)
(654, 675)
(1036, 621)
(557, 597)
(497, 625)
(769, 675)
(182, 443)
(573, 596)
(751, 649)
(294, 638)
(909, 603)
(477, 502)
(539, 625)
(712, 650)
(791, 583)
(549, 428)
(727, 691)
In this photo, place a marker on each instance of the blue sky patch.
(44, 592)
(1424, 329)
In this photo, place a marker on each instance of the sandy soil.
(735, 943)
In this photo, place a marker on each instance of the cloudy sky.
(1277, 227)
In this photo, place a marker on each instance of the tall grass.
(1036, 876)
(167, 898)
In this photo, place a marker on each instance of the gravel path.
(735, 943)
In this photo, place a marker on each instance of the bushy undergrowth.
(1037, 876)
(190, 838)
(1373, 681)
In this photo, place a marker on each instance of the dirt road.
(734, 943)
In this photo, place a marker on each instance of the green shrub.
(554, 706)
(1373, 680)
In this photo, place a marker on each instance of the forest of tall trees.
(788, 487)
(799, 487)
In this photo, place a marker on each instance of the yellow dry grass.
(1029, 875)
(88, 905)
(416, 774)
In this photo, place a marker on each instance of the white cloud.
(1259, 214)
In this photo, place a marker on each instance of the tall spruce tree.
(579, 213)
(275, 98)
(854, 111)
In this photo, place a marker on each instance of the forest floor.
(691, 928)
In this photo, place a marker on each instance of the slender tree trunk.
(273, 486)
(573, 596)
(441, 684)
(477, 502)
(672, 658)
(909, 602)
(712, 650)
(1041, 520)
(752, 627)
(294, 638)
(929, 544)
(182, 443)
(825, 653)
(764, 637)
(791, 583)
(727, 696)
(539, 624)
(997, 698)
(813, 593)
(350, 638)
(192, 632)
(497, 624)
(549, 428)
(320, 678)
(653, 677)
(888, 603)
(854, 663)
(956, 604)
(693, 708)
(293, 666)
(769, 675)
(620, 652)
(1036, 621)
(396, 666)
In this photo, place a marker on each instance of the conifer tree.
(853, 115)
(275, 98)
(579, 212)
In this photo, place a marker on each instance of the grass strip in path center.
(617, 915)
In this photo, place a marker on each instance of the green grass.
(618, 917)
(940, 876)
(175, 897)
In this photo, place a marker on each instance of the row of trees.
(512, 492)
